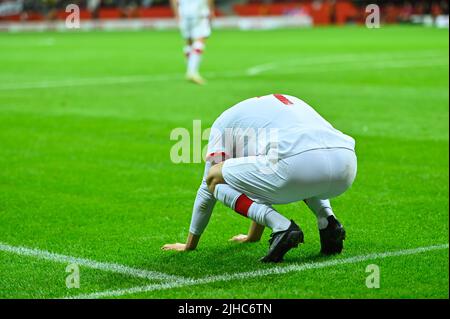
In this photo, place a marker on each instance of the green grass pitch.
(85, 171)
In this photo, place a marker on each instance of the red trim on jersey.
(242, 205)
(223, 155)
(198, 51)
(217, 154)
(283, 99)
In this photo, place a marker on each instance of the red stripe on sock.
(242, 205)
(283, 99)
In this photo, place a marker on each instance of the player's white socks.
(267, 216)
(195, 56)
(227, 195)
(260, 213)
(322, 209)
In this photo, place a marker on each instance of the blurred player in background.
(194, 18)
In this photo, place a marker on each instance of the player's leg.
(322, 209)
(200, 31)
(194, 60)
(315, 175)
(332, 233)
(186, 28)
(336, 175)
(286, 234)
(260, 213)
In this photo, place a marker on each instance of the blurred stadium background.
(16, 15)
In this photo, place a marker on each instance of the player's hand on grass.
(241, 238)
(254, 234)
(176, 247)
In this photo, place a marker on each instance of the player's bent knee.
(212, 185)
(214, 177)
(213, 182)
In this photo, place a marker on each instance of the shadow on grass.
(229, 258)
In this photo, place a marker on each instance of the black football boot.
(332, 237)
(281, 242)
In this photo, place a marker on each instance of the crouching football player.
(194, 18)
(274, 149)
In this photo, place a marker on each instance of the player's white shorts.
(195, 28)
(321, 173)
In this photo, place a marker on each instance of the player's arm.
(205, 200)
(174, 6)
(201, 213)
(254, 234)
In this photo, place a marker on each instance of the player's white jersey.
(193, 8)
(275, 125)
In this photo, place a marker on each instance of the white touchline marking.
(105, 266)
(258, 273)
(285, 67)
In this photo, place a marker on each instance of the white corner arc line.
(259, 273)
(105, 266)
